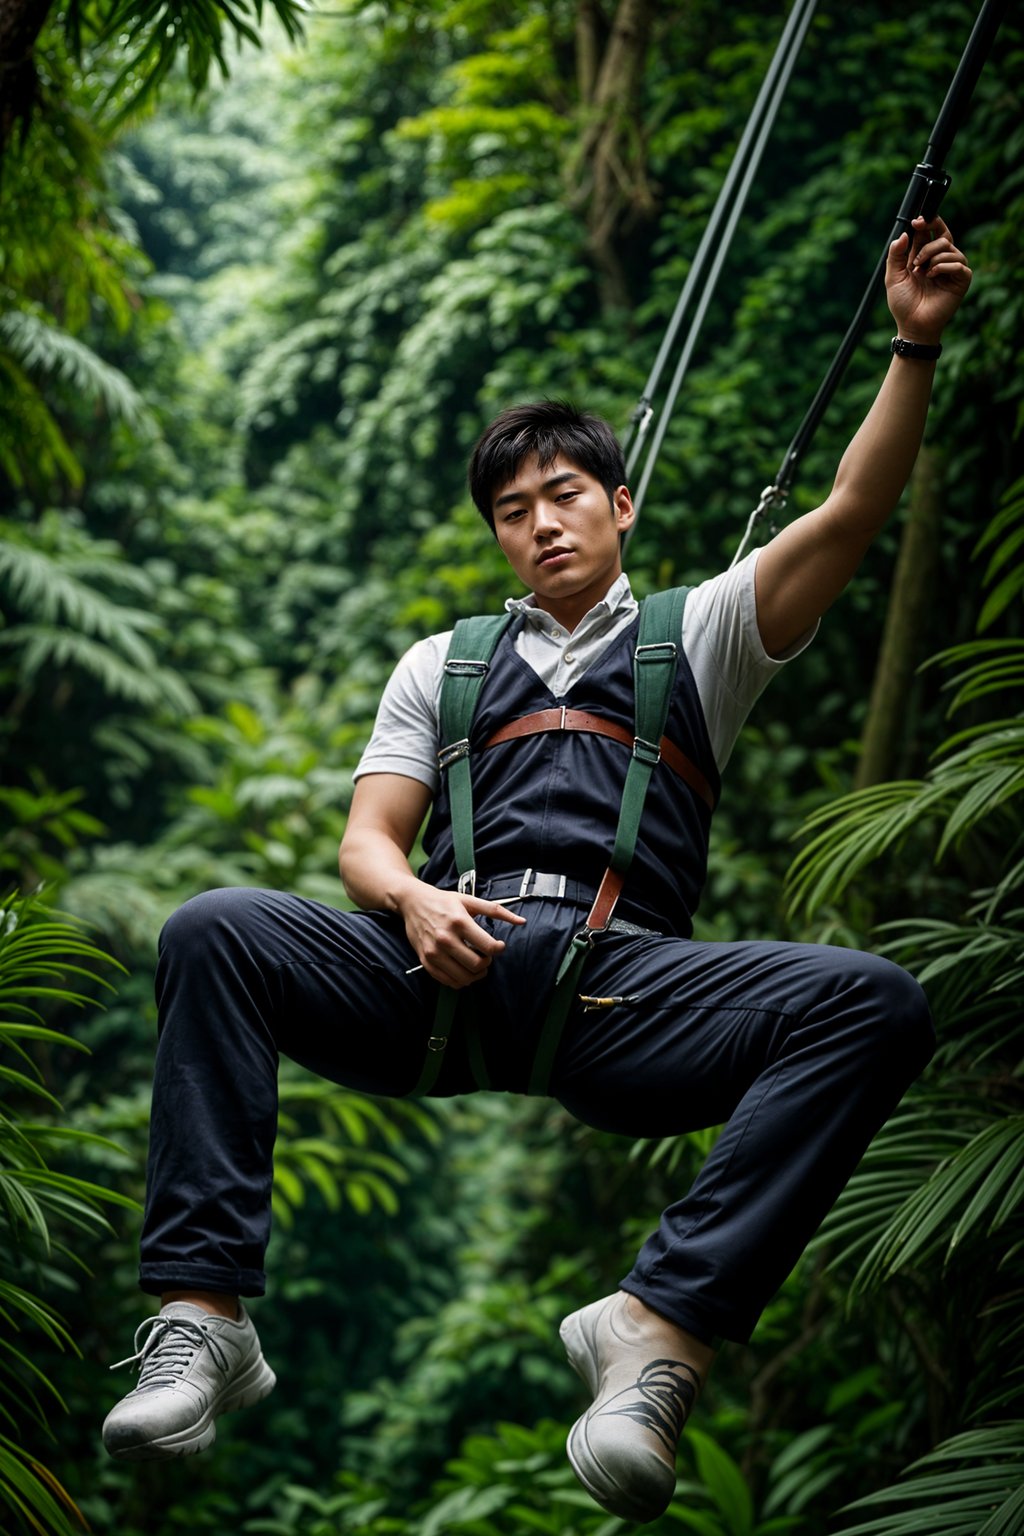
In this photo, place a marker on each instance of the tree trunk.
(21, 21)
(902, 648)
(607, 176)
(589, 24)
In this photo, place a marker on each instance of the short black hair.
(546, 430)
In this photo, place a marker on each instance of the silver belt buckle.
(536, 882)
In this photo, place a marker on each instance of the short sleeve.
(722, 643)
(405, 732)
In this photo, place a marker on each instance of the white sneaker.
(623, 1449)
(192, 1367)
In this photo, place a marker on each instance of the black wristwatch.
(917, 349)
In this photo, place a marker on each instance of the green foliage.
(60, 257)
(69, 622)
(40, 348)
(968, 1486)
(937, 1199)
(245, 346)
(46, 1215)
(340, 1162)
(151, 35)
(42, 827)
(974, 788)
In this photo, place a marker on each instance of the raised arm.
(387, 812)
(804, 568)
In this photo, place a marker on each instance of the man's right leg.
(243, 975)
(803, 1051)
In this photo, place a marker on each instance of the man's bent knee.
(205, 918)
(898, 1008)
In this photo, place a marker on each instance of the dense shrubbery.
(245, 344)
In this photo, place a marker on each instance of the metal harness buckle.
(452, 753)
(647, 751)
(662, 650)
(457, 666)
(467, 883)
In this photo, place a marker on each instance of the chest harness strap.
(655, 661)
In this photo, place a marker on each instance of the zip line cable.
(928, 184)
(777, 80)
(924, 194)
(717, 235)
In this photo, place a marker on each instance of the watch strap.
(920, 350)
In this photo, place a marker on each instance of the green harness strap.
(472, 645)
(654, 673)
(654, 669)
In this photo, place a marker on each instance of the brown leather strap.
(608, 892)
(578, 720)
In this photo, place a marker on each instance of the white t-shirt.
(720, 641)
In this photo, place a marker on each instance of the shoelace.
(169, 1350)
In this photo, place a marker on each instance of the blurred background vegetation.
(265, 271)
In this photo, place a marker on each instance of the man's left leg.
(802, 1051)
(243, 975)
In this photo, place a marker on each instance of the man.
(801, 1050)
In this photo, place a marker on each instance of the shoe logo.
(664, 1403)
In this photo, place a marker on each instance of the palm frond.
(1006, 531)
(34, 1494)
(849, 834)
(971, 1485)
(979, 1187)
(37, 1200)
(341, 1161)
(153, 33)
(978, 776)
(921, 1135)
(72, 623)
(973, 960)
(993, 667)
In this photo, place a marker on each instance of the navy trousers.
(801, 1050)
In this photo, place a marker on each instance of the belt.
(526, 885)
(563, 719)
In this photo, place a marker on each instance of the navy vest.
(551, 801)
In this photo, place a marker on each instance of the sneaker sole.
(255, 1383)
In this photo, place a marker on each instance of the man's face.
(560, 535)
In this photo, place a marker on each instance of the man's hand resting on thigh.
(387, 812)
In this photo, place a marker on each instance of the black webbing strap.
(654, 671)
(928, 184)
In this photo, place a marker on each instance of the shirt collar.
(619, 595)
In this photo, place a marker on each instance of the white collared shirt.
(720, 640)
(557, 656)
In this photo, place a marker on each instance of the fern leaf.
(30, 424)
(40, 345)
(159, 688)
